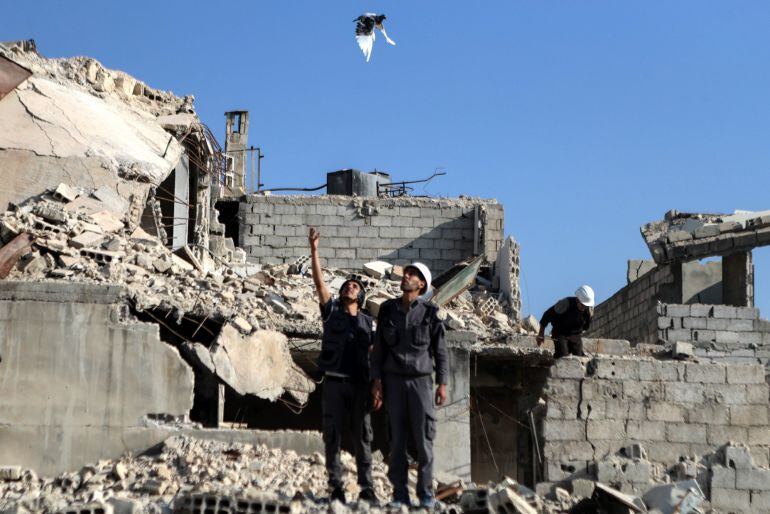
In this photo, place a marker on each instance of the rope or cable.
(486, 437)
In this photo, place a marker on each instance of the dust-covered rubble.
(78, 237)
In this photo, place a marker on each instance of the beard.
(408, 287)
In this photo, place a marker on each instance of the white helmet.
(585, 295)
(425, 272)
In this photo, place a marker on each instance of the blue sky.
(585, 119)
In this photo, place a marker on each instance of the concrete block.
(705, 373)
(704, 335)
(724, 336)
(745, 374)
(724, 311)
(682, 350)
(699, 310)
(730, 500)
(11, 473)
(617, 369)
(694, 322)
(752, 479)
(760, 456)
(709, 414)
(728, 394)
(748, 415)
(678, 235)
(664, 322)
(678, 392)
(678, 334)
(738, 457)
(668, 452)
(606, 430)
(740, 325)
(686, 433)
(661, 370)
(757, 394)
(638, 472)
(568, 369)
(722, 477)
(644, 390)
(563, 430)
(662, 411)
(559, 388)
(722, 434)
(674, 310)
(646, 430)
(716, 323)
(759, 435)
(760, 501)
(746, 313)
(125, 505)
(575, 450)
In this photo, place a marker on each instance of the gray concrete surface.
(76, 385)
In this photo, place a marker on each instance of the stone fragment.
(682, 350)
(87, 239)
(107, 221)
(64, 193)
(241, 325)
(531, 324)
(50, 212)
(377, 269)
(10, 472)
(373, 305)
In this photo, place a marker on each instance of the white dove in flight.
(365, 25)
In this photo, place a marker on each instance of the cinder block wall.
(723, 332)
(673, 409)
(438, 232)
(630, 313)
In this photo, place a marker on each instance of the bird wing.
(365, 33)
(382, 29)
(365, 43)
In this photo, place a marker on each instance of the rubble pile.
(80, 237)
(184, 465)
(89, 74)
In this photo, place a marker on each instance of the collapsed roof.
(691, 236)
(75, 121)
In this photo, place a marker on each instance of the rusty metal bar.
(13, 251)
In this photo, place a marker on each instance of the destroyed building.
(149, 294)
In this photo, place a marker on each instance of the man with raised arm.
(344, 360)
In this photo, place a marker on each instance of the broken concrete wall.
(598, 409)
(273, 229)
(76, 382)
(452, 448)
(52, 134)
(690, 236)
(506, 277)
(724, 332)
(630, 313)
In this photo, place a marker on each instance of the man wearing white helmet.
(570, 317)
(409, 339)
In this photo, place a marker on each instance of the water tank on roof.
(354, 182)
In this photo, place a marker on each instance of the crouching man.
(344, 360)
(410, 337)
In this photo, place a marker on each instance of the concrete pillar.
(236, 143)
(738, 279)
(452, 446)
